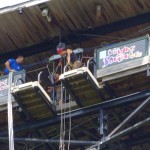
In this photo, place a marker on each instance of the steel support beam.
(35, 140)
(139, 96)
(78, 36)
(103, 124)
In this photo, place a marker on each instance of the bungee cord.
(69, 122)
(36, 69)
(66, 131)
(61, 144)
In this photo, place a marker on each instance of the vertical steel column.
(103, 124)
(10, 113)
(128, 146)
(148, 53)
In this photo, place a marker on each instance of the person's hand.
(12, 70)
(60, 63)
(69, 64)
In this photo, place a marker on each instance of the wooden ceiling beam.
(78, 36)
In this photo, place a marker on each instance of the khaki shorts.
(76, 65)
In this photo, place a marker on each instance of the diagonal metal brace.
(100, 145)
(130, 116)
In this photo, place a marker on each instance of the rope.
(48, 69)
(69, 121)
(64, 120)
(100, 36)
(66, 131)
(37, 69)
(61, 145)
(33, 64)
(62, 126)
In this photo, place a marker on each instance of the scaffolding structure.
(101, 100)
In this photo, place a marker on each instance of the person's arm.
(7, 65)
(68, 56)
(57, 81)
(59, 63)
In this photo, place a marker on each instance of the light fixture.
(98, 11)
(20, 10)
(46, 13)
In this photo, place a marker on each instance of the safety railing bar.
(88, 62)
(18, 80)
(65, 68)
(39, 76)
(85, 58)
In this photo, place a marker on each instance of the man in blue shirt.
(14, 65)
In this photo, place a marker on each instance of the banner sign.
(121, 53)
(3, 87)
(4, 83)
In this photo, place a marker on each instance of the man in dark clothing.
(54, 90)
(72, 58)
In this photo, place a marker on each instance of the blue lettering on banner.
(116, 55)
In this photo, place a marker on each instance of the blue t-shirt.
(14, 66)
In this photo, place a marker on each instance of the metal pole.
(101, 123)
(10, 113)
(39, 76)
(35, 140)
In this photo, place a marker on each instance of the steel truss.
(136, 97)
(114, 135)
(106, 139)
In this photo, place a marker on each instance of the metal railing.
(39, 76)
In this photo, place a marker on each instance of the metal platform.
(33, 100)
(18, 78)
(82, 86)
